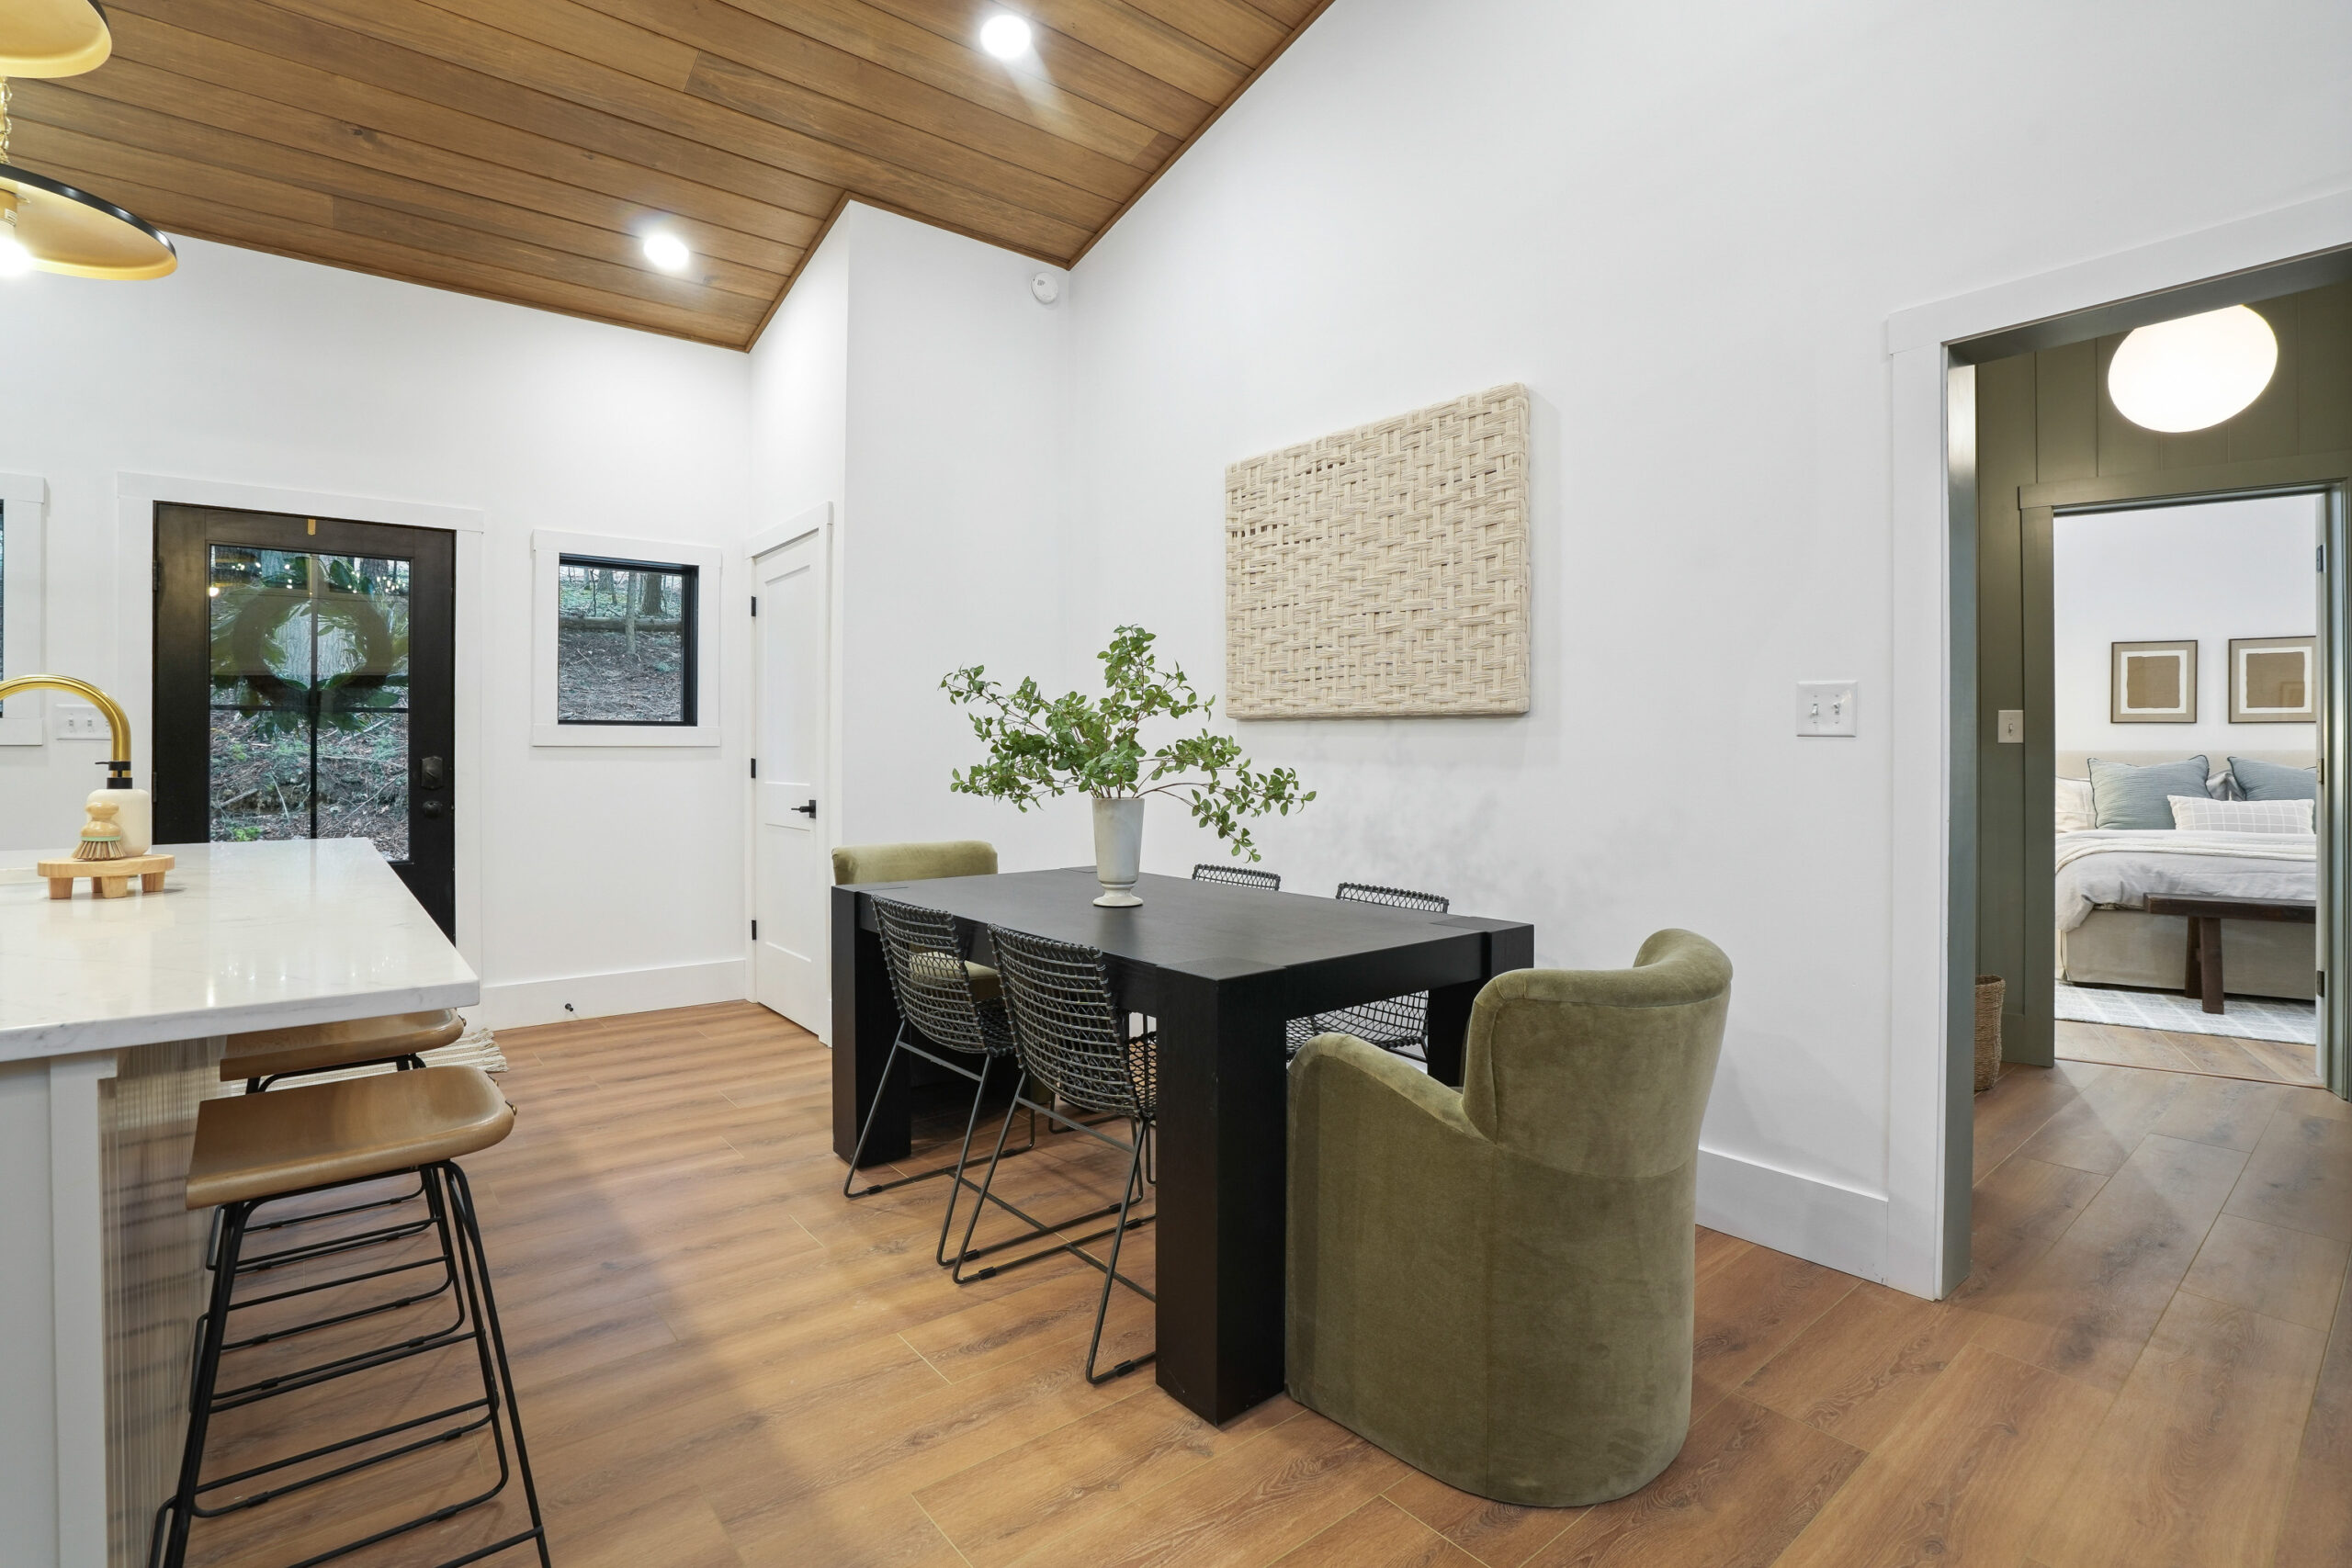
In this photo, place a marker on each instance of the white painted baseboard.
(515, 1004)
(1817, 1219)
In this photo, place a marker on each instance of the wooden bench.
(2205, 916)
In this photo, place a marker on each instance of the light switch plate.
(1825, 707)
(2008, 726)
(70, 721)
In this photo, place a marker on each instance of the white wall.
(254, 370)
(2240, 568)
(921, 389)
(1685, 227)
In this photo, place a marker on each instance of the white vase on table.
(1118, 849)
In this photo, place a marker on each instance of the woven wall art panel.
(1382, 572)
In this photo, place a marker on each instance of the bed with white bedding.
(2106, 936)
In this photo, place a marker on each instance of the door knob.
(809, 810)
(429, 807)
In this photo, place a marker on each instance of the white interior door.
(792, 871)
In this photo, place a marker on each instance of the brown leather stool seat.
(264, 1146)
(351, 1043)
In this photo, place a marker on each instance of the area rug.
(2249, 1017)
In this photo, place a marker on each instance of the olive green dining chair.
(856, 864)
(1494, 1284)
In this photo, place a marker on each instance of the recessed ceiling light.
(1005, 35)
(2194, 372)
(666, 250)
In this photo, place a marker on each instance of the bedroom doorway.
(2185, 710)
(2139, 530)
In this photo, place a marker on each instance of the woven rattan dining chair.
(1239, 876)
(945, 1001)
(1075, 1046)
(1400, 1024)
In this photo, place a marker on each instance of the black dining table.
(1221, 969)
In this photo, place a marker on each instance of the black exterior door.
(304, 686)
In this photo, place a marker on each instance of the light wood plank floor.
(2217, 1055)
(723, 1363)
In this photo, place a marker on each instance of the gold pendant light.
(53, 38)
(46, 225)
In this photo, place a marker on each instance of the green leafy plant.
(1040, 746)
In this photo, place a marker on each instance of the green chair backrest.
(913, 863)
(1600, 1072)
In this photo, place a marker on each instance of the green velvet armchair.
(1494, 1284)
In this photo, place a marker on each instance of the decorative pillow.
(2126, 796)
(2221, 786)
(2273, 781)
(2075, 813)
(2196, 814)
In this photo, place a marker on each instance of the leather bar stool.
(253, 1149)
(262, 1057)
(265, 1057)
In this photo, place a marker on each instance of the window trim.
(549, 550)
(24, 513)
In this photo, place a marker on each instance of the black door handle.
(808, 810)
(429, 807)
(435, 770)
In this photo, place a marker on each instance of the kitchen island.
(112, 1015)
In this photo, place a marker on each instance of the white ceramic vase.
(1118, 849)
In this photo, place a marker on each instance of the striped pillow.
(2198, 814)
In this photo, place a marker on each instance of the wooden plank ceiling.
(518, 149)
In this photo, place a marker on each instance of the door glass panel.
(310, 658)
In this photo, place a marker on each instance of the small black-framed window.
(626, 641)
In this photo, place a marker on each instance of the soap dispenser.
(135, 813)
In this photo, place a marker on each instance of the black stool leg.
(178, 1513)
(492, 1347)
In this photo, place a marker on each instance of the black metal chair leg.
(857, 1156)
(980, 1204)
(1110, 1278)
(963, 1155)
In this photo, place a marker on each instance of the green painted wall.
(2045, 417)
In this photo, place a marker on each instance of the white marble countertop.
(242, 936)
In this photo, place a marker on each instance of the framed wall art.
(2154, 682)
(2270, 681)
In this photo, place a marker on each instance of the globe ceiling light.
(666, 250)
(2194, 372)
(53, 38)
(1005, 35)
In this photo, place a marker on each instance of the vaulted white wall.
(922, 389)
(1684, 227)
(249, 369)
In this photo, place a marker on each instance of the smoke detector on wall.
(1046, 288)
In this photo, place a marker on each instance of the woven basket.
(1990, 990)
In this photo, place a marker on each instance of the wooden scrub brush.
(101, 836)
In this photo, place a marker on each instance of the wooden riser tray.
(108, 878)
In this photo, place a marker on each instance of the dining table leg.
(1223, 1131)
(865, 1020)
